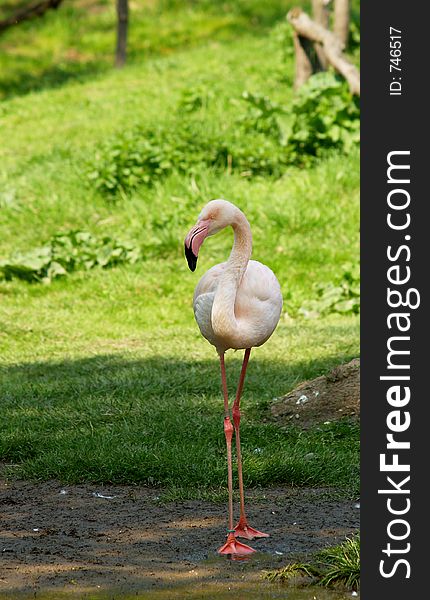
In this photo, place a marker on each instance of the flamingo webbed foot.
(243, 530)
(234, 547)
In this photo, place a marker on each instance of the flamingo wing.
(204, 295)
(258, 302)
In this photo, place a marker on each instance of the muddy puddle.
(242, 581)
(225, 591)
(120, 542)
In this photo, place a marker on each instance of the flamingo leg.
(232, 546)
(242, 529)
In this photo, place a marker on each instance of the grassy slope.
(78, 39)
(105, 376)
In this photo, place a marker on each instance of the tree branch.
(330, 44)
(341, 20)
(26, 13)
(320, 12)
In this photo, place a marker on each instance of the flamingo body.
(257, 306)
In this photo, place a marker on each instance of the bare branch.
(37, 9)
(303, 64)
(341, 20)
(320, 13)
(330, 43)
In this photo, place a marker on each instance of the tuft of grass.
(342, 564)
(334, 566)
(293, 571)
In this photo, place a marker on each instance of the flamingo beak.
(195, 238)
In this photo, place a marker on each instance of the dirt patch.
(72, 538)
(327, 398)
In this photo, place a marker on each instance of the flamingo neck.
(242, 248)
(224, 322)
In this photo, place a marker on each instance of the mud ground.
(330, 397)
(55, 537)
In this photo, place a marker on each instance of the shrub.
(262, 116)
(67, 252)
(343, 298)
(131, 159)
(325, 116)
(195, 98)
(257, 155)
(143, 157)
(283, 36)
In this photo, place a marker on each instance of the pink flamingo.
(237, 304)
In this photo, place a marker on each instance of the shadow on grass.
(158, 421)
(55, 76)
(158, 376)
(26, 75)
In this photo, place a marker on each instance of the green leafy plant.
(134, 158)
(195, 98)
(258, 155)
(255, 146)
(325, 116)
(143, 157)
(354, 35)
(67, 252)
(343, 298)
(282, 35)
(262, 116)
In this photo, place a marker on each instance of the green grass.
(104, 375)
(332, 567)
(77, 41)
(342, 564)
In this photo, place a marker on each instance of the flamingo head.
(216, 215)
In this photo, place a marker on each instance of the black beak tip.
(191, 258)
